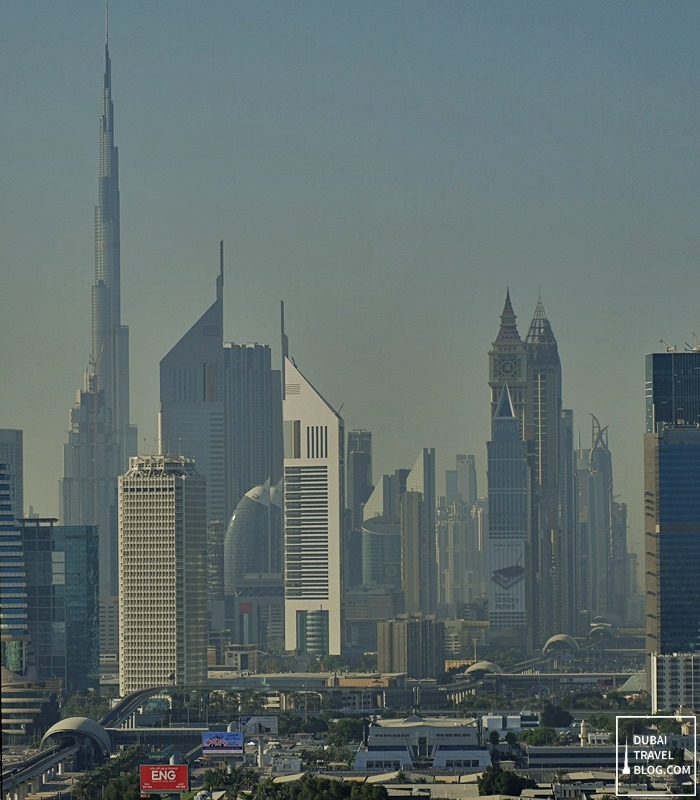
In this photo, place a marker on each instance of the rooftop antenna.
(107, 23)
(220, 277)
(670, 348)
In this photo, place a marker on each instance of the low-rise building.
(418, 743)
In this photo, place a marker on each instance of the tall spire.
(509, 329)
(100, 439)
(540, 331)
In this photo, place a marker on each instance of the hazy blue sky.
(386, 168)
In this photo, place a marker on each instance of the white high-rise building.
(162, 574)
(313, 517)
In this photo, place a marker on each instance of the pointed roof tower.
(508, 331)
(540, 331)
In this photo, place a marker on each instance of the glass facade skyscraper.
(62, 572)
(672, 502)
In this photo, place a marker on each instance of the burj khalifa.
(100, 437)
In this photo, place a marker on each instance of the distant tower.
(418, 536)
(543, 433)
(359, 489)
(510, 595)
(314, 500)
(12, 455)
(100, 437)
(163, 574)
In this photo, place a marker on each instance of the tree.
(555, 717)
(511, 740)
(346, 730)
(538, 736)
(494, 780)
(125, 787)
(86, 704)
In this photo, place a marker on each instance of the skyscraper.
(62, 602)
(192, 399)
(544, 445)
(314, 500)
(672, 502)
(100, 437)
(510, 594)
(14, 631)
(12, 455)
(221, 405)
(162, 574)
(418, 536)
(508, 363)
(253, 580)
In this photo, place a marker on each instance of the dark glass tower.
(62, 604)
(100, 437)
(672, 502)
(510, 585)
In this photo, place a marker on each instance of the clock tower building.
(508, 365)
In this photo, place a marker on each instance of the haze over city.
(386, 168)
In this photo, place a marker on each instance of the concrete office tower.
(12, 455)
(672, 502)
(253, 577)
(100, 437)
(192, 399)
(418, 536)
(510, 596)
(14, 630)
(162, 574)
(62, 571)
(411, 643)
(221, 405)
(461, 481)
(314, 482)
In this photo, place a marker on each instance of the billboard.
(164, 777)
(222, 743)
(507, 584)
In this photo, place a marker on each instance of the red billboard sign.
(164, 777)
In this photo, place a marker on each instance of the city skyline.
(551, 152)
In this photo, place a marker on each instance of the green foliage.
(495, 780)
(346, 730)
(538, 736)
(668, 726)
(93, 784)
(125, 787)
(86, 704)
(555, 717)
